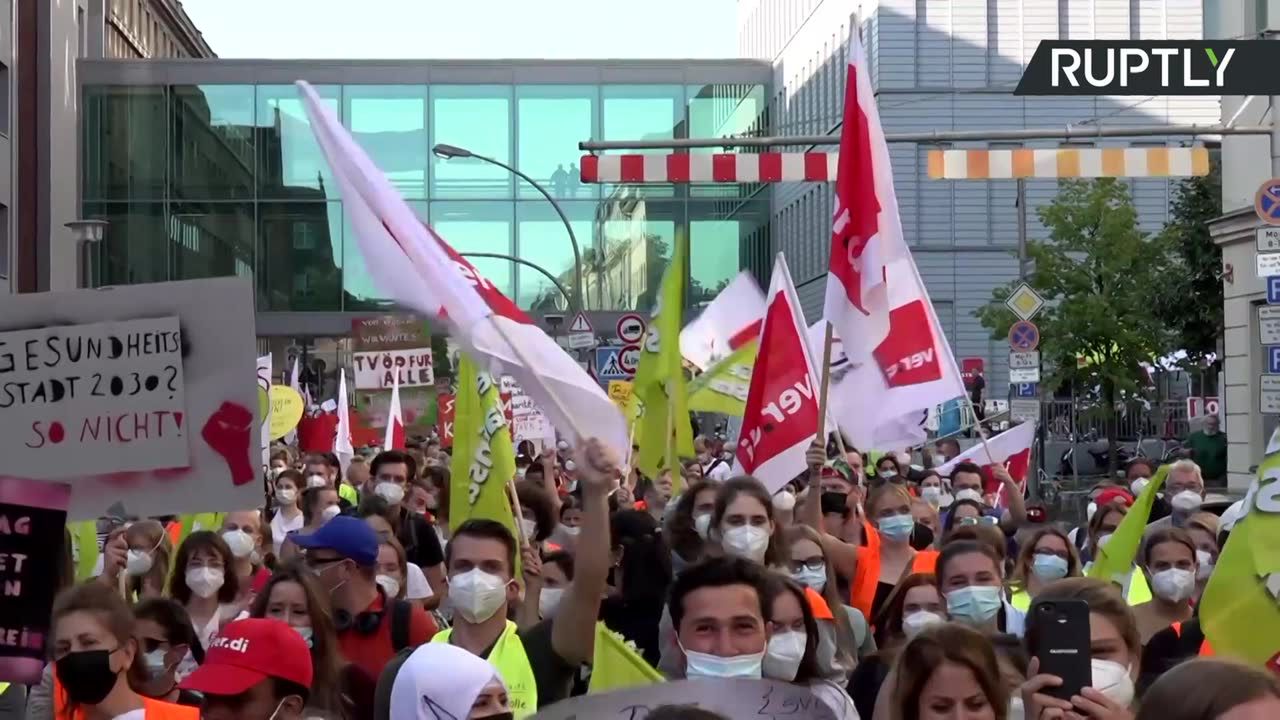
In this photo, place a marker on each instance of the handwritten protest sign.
(286, 410)
(137, 394)
(33, 517)
(264, 405)
(738, 699)
(384, 348)
(378, 370)
(101, 397)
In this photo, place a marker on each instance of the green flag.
(723, 387)
(1114, 561)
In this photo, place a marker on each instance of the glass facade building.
(209, 169)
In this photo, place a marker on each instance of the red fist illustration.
(229, 432)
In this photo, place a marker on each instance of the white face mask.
(570, 531)
(746, 541)
(305, 632)
(316, 481)
(703, 665)
(887, 474)
(969, 494)
(154, 662)
(548, 601)
(783, 654)
(286, 496)
(1103, 539)
(1138, 484)
(138, 563)
(240, 542)
(476, 595)
(389, 585)
(932, 494)
(1016, 710)
(330, 512)
(702, 524)
(784, 501)
(393, 493)
(529, 527)
(1112, 680)
(1089, 511)
(913, 623)
(1187, 501)
(1174, 584)
(1204, 565)
(205, 582)
(813, 579)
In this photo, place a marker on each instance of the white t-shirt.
(717, 470)
(416, 586)
(139, 714)
(282, 526)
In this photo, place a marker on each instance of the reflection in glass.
(290, 164)
(476, 118)
(212, 151)
(634, 238)
(723, 110)
(542, 239)
(299, 245)
(210, 239)
(478, 226)
(134, 248)
(390, 123)
(124, 149)
(643, 112)
(553, 119)
(713, 257)
(359, 292)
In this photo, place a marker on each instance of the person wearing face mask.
(686, 528)
(810, 566)
(717, 609)
(1137, 475)
(932, 491)
(324, 470)
(795, 641)
(1184, 491)
(1169, 561)
(1209, 450)
(914, 605)
(242, 531)
(147, 560)
(948, 671)
(887, 469)
(570, 524)
(545, 583)
(714, 467)
(165, 637)
(1114, 649)
(743, 522)
(390, 471)
(537, 514)
(256, 669)
(967, 484)
(634, 606)
(203, 583)
(1046, 556)
(97, 661)
(971, 578)
(1111, 512)
(1204, 529)
(293, 597)
(372, 627)
(443, 681)
(393, 566)
(288, 516)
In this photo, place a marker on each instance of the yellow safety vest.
(84, 547)
(509, 658)
(348, 493)
(1136, 592)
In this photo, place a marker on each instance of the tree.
(1100, 276)
(1191, 302)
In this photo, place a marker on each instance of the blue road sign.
(608, 366)
(1266, 203)
(1024, 336)
(1026, 390)
(1273, 359)
(1273, 290)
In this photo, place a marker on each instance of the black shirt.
(865, 682)
(421, 544)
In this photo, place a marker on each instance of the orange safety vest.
(154, 709)
(862, 589)
(818, 605)
(1206, 650)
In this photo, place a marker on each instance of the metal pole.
(1275, 136)
(85, 254)
(575, 301)
(1022, 228)
(526, 263)
(933, 136)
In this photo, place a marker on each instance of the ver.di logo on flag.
(1124, 67)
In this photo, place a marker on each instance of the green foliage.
(1190, 303)
(1101, 277)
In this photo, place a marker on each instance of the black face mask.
(86, 675)
(921, 537)
(499, 716)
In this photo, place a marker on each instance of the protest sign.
(730, 698)
(137, 394)
(527, 421)
(383, 348)
(264, 405)
(378, 370)
(287, 407)
(33, 517)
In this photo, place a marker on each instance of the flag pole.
(671, 443)
(826, 386)
(982, 435)
(517, 512)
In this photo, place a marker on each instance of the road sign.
(1273, 290)
(580, 324)
(1273, 359)
(631, 328)
(1267, 239)
(1269, 394)
(1024, 336)
(1020, 360)
(608, 366)
(1024, 375)
(1267, 264)
(1025, 410)
(1266, 202)
(578, 341)
(629, 358)
(1198, 407)
(1024, 302)
(1026, 390)
(1269, 325)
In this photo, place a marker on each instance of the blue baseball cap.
(350, 537)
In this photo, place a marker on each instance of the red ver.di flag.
(1011, 448)
(900, 363)
(781, 416)
(412, 265)
(33, 518)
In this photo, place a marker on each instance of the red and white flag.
(1011, 448)
(781, 417)
(729, 322)
(901, 362)
(342, 446)
(395, 419)
(413, 266)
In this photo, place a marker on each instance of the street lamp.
(526, 263)
(88, 233)
(448, 152)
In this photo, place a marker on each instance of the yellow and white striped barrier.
(1068, 163)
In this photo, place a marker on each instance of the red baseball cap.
(247, 652)
(1107, 496)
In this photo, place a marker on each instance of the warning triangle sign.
(580, 324)
(612, 367)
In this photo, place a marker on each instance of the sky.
(467, 29)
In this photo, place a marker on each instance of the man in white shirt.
(714, 468)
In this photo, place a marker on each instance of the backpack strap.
(400, 611)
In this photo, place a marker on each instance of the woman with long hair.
(96, 659)
(147, 564)
(688, 526)
(1048, 555)
(293, 597)
(792, 652)
(808, 565)
(948, 671)
(287, 499)
(743, 522)
(1223, 689)
(165, 637)
(204, 582)
(638, 583)
(914, 605)
(971, 577)
(1168, 560)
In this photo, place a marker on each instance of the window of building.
(4, 242)
(550, 121)
(476, 118)
(4, 99)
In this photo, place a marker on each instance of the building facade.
(1246, 164)
(42, 42)
(951, 65)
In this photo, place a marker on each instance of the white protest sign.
(135, 394)
(264, 405)
(377, 369)
(730, 698)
